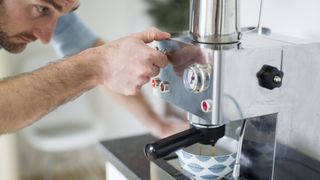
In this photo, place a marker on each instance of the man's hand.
(128, 63)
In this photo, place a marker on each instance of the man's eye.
(43, 10)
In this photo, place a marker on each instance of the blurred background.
(64, 146)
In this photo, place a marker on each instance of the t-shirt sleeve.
(72, 35)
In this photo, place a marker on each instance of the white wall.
(115, 18)
(8, 151)
(299, 18)
(9, 158)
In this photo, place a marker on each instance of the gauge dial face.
(196, 78)
(190, 79)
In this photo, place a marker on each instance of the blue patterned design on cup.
(221, 158)
(209, 177)
(232, 165)
(218, 168)
(195, 167)
(186, 155)
(203, 158)
(234, 155)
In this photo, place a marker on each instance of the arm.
(27, 97)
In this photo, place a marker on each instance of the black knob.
(270, 77)
(183, 139)
(172, 143)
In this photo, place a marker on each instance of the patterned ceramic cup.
(197, 160)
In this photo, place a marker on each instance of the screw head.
(277, 79)
(164, 87)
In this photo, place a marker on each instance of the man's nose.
(44, 31)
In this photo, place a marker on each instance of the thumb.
(152, 34)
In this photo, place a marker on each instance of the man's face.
(24, 21)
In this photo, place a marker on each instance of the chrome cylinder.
(218, 21)
(214, 21)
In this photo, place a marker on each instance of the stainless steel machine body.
(232, 85)
(225, 78)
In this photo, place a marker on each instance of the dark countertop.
(126, 154)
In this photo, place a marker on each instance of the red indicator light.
(206, 105)
(153, 83)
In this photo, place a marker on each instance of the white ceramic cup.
(197, 160)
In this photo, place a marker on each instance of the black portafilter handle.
(183, 139)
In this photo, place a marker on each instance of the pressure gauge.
(196, 78)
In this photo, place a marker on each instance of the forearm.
(28, 97)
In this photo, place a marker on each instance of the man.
(122, 66)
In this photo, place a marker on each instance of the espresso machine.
(261, 89)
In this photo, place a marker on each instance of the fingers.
(150, 71)
(126, 77)
(151, 61)
(142, 81)
(155, 70)
(152, 34)
(137, 87)
(159, 59)
(152, 64)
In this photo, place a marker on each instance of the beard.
(13, 47)
(10, 46)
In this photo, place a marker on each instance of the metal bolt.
(164, 87)
(277, 79)
(164, 51)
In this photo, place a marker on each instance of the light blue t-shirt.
(72, 35)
